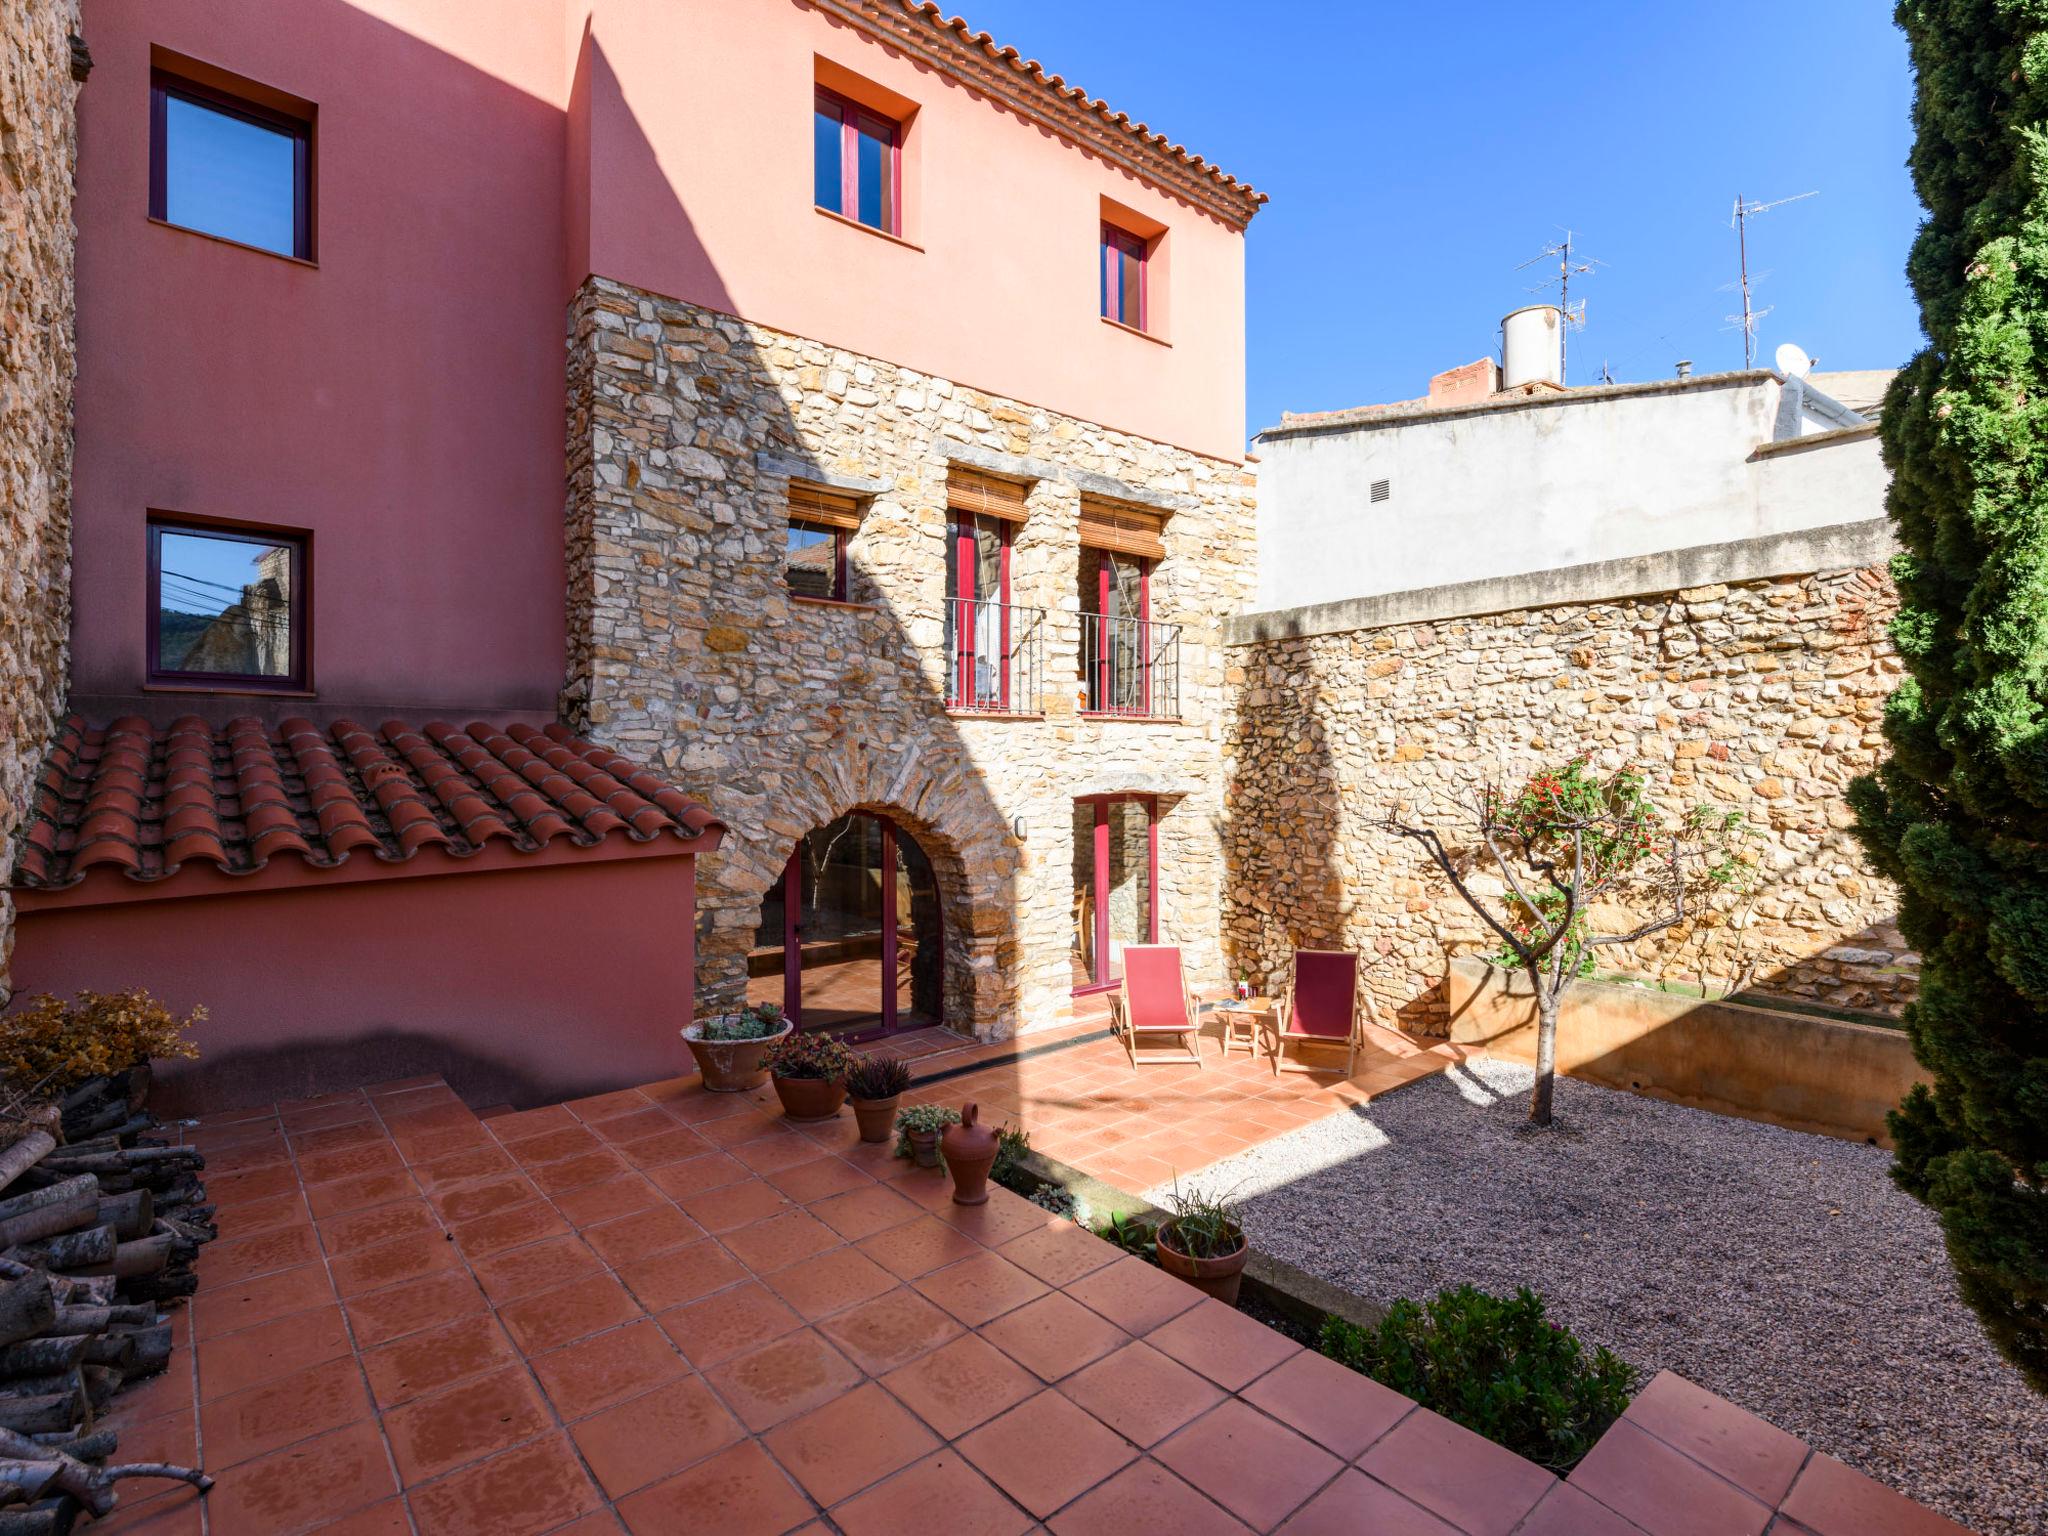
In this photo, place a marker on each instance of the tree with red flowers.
(1566, 841)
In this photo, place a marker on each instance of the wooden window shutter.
(980, 495)
(1125, 530)
(827, 508)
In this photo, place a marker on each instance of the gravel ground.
(1781, 1270)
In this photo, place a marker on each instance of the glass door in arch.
(1116, 884)
(850, 938)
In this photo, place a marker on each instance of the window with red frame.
(858, 163)
(1123, 277)
(979, 618)
(226, 606)
(229, 167)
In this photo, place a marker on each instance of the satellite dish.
(1793, 361)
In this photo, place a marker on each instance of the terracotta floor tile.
(1222, 1343)
(529, 1122)
(1355, 1503)
(830, 1282)
(779, 1241)
(1641, 1478)
(259, 1420)
(427, 1361)
(225, 1306)
(1834, 1500)
(1476, 1485)
(531, 1488)
(961, 1384)
(1134, 1295)
(819, 1179)
(892, 1330)
(478, 1418)
(594, 1204)
(518, 1272)
(513, 1227)
(681, 1274)
(1336, 1407)
(273, 1215)
(281, 1348)
(595, 1108)
(354, 1194)
(648, 1437)
(1144, 1395)
(980, 1287)
(849, 1443)
(772, 1154)
(1061, 1253)
(233, 1260)
(1257, 1469)
(383, 1519)
(299, 1487)
(647, 1120)
(739, 1492)
(161, 1437)
(642, 1234)
(428, 1143)
(918, 1247)
(727, 1323)
(731, 1205)
(1145, 1497)
(778, 1381)
(1045, 1452)
(382, 1316)
(471, 1166)
(366, 1228)
(1054, 1336)
(549, 1319)
(941, 1493)
(696, 1175)
(1004, 1218)
(369, 1269)
(575, 1172)
(607, 1367)
(1757, 1457)
(864, 1211)
(553, 1146)
(378, 1156)
(672, 1145)
(1564, 1511)
(458, 1203)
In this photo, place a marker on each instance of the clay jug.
(970, 1148)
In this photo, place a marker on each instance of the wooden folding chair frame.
(1361, 1009)
(1190, 1037)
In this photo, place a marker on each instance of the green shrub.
(1061, 1202)
(1130, 1234)
(1008, 1168)
(1496, 1366)
(922, 1118)
(756, 1021)
(810, 1056)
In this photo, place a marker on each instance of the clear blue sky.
(1416, 153)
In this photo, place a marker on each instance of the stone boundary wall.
(1764, 694)
(38, 158)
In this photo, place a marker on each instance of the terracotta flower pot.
(970, 1149)
(924, 1148)
(732, 1066)
(810, 1098)
(1219, 1276)
(877, 1117)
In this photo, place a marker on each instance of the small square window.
(856, 162)
(226, 606)
(229, 167)
(1123, 277)
(815, 562)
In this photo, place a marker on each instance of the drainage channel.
(1013, 1057)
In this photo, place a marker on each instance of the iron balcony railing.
(1130, 667)
(995, 657)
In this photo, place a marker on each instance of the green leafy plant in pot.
(874, 1085)
(809, 1072)
(731, 1049)
(918, 1129)
(1202, 1241)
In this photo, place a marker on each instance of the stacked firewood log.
(100, 1221)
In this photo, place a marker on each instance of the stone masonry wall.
(687, 649)
(1765, 696)
(38, 146)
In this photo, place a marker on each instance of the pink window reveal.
(1123, 277)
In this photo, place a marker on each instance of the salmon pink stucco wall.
(401, 399)
(522, 986)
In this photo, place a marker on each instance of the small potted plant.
(731, 1048)
(1203, 1243)
(874, 1085)
(918, 1129)
(809, 1072)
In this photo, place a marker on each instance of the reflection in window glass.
(225, 603)
(854, 162)
(227, 175)
(812, 561)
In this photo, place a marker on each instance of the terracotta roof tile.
(149, 803)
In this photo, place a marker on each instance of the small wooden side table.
(1246, 1020)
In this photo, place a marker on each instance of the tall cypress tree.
(1959, 815)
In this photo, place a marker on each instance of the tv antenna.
(1572, 315)
(1751, 318)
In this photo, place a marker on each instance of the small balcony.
(995, 657)
(1129, 667)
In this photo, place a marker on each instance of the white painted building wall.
(1507, 487)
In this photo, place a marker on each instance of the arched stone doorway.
(852, 938)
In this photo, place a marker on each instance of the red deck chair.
(1154, 1003)
(1323, 1006)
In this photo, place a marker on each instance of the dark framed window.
(227, 606)
(229, 167)
(815, 562)
(979, 618)
(857, 162)
(1123, 277)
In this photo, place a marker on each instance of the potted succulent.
(1203, 1243)
(731, 1048)
(918, 1128)
(809, 1072)
(874, 1085)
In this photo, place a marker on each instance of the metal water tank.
(1528, 346)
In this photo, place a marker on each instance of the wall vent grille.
(1381, 490)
